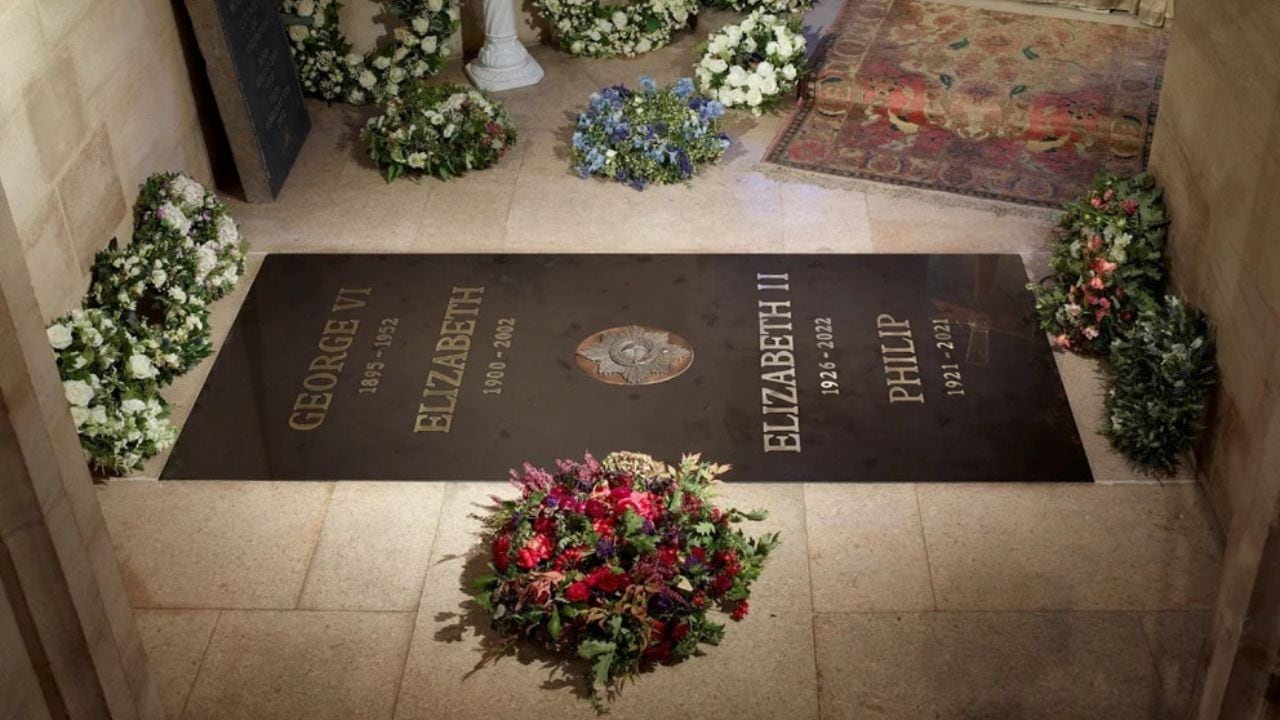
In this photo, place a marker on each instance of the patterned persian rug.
(996, 105)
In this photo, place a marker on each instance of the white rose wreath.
(586, 28)
(752, 64)
(329, 70)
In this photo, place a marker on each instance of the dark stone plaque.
(874, 368)
(247, 57)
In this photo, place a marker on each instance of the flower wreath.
(443, 130)
(752, 64)
(587, 28)
(329, 70)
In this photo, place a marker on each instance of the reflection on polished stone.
(874, 368)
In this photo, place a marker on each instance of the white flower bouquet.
(752, 64)
(109, 378)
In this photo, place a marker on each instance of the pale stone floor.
(262, 600)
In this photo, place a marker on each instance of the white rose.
(396, 74)
(98, 414)
(748, 25)
(354, 59)
(421, 26)
(59, 336)
(737, 76)
(769, 86)
(306, 7)
(644, 45)
(429, 44)
(158, 276)
(619, 20)
(717, 65)
(754, 98)
(178, 294)
(435, 5)
(368, 79)
(382, 62)
(789, 72)
(78, 392)
(133, 406)
(298, 33)
(140, 367)
(80, 415)
(454, 14)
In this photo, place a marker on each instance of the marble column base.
(504, 65)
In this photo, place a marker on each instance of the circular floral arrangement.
(439, 130)
(1107, 263)
(586, 28)
(328, 69)
(186, 253)
(146, 320)
(752, 64)
(110, 380)
(619, 562)
(655, 135)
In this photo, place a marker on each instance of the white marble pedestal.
(504, 63)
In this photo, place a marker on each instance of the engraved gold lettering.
(450, 363)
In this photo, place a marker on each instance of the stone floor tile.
(212, 544)
(821, 220)
(1177, 643)
(983, 666)
(271, 665)
(175, 641)
(444, 674)
(866, 549)
(1069, 547)
(938, 222)
(374, 546)
(784, 586)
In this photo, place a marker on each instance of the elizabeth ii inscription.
(876, 368)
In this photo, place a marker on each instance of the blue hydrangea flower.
(683, 88)
(649, 84)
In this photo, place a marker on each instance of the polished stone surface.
(870, 368)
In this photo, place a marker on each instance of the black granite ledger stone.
(256, 86)
(872, 368)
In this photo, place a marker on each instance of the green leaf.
(946, 80)
(553, 625)
(1031, 54)
(960, 44)
(588, 649)
(1017, 90)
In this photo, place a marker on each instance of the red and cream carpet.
(998, 105)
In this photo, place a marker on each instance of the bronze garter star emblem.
(634, 355)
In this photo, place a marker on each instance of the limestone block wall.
(94, 96)
(1216, 154)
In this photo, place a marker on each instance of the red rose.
(1130, 206)
(544, 524)
(502, 552)
(641, 503)
(680, 631)
(596, 509)
(577, 592)
(721, 584)
(659, 628)
(603, 527)
(667, 555)
(537, 549)
(740, 611)
(698, 554)
(541, 595)
(605, 580)
(699, 600)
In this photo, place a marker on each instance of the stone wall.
(94, 96)
(1216, 155)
